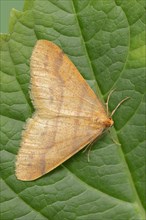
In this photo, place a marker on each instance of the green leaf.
(105, 40)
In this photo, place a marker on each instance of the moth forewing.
(68, 114)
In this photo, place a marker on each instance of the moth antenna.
(109, 95)
(119, 105)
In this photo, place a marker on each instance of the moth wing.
(57, 87)
(48, 143)
(67, 111)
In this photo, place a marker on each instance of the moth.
(68, 115)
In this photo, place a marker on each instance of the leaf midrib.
(98, 90)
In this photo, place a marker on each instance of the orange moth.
(68, 114)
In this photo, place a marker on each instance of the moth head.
(108, 123)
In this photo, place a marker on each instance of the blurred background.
(5, 9)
